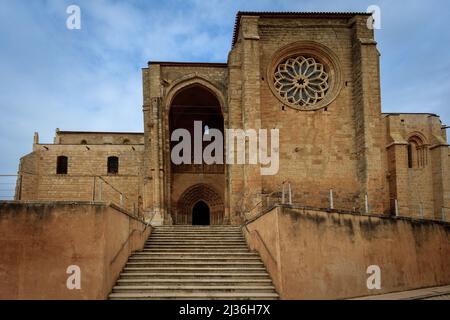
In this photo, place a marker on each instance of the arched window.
(410, 155)
(126, 141)
(83, 142)
(417, 153)
(62, 163)
(113, 165)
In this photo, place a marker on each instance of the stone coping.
(352, 213)
(78, 203)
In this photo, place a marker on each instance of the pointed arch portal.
(203, 198)
(200, 204)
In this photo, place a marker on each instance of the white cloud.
(89, 79)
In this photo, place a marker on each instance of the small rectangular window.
(113, 165)
(61, 165)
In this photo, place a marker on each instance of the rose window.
(301, 81)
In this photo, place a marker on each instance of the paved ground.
(436, 293)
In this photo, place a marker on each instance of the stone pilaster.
(251, 109)
(152, 158)
(440, 168)
(367, 110)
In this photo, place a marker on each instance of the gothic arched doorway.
(199, 203)
(200, 214)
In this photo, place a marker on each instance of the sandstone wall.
(93, 138)
(421, 190)
(338, 147)
(81, 183)
(320, 255)
(39, 241)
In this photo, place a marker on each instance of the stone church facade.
(313, 76)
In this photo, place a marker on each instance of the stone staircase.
(190, 262)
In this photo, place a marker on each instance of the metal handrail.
(18, 184)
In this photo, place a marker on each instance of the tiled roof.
(269, 14)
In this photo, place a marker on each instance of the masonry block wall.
(338, 147)
(418, 170)
(87, 178)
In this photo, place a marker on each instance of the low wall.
(39, 241)
(320, 255)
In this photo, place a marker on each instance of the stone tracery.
(301, 81)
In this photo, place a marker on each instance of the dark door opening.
(200, 214)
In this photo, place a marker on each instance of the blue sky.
(90, 79)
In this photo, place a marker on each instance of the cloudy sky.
(90, 79)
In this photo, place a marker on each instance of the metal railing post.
(331, 199)
(366, 203)
(421, 210)
(100, 190)
(93, 190)
(290, 193)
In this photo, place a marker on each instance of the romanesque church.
(346, 169)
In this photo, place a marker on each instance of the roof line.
(99, 132)
(268, 14)
(409, 113)
(189, 64)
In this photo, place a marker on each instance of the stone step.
(196, 243)
(188, 255)
(193, 259)
(197, 236)
(201, 232)
(199, 239)
(194, 289)
(195, 269)
(199, 264)
(196, 229)
(194, 275)
(194, 296)
(193, 249)
(195, 262)
(179, 226)
(196, 282)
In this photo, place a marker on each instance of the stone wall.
(93, 138)
(421, 187)
(39, 241)
(317, 148)
(39, 180)
(161, 83)
(321, 255)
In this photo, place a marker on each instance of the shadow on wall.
(319, 255)
(39, 241)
